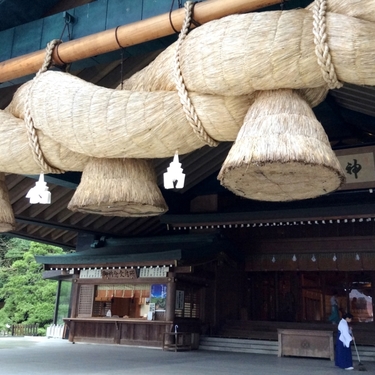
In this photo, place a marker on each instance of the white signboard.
(153, 272)
(358, 165)
(90, 274)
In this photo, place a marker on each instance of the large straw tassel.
(281, 153)
(7, 221)
(118, 187)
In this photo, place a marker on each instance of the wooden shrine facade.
(123, 296)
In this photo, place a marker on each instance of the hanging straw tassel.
(118, 187)
(281, 153)
(7, 221)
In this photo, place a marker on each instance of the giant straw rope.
(201, 91)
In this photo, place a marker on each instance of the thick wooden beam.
(126, 35)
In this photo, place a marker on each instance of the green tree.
(28, 298)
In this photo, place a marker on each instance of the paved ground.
(38, 356)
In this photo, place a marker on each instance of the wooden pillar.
(57, 302)
(171, 298)
(347, 291)
(373, 293)
(324, 296)
(74, 298)
(276, 297)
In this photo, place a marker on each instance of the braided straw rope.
(321, 45)
(187, 106)
(31, 131)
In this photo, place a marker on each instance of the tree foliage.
(27, 297)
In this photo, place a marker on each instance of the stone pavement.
(39, 356)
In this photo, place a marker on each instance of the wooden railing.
(21, 330)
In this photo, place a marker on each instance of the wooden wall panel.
(85, 301)
(367, 261)
(311, 262)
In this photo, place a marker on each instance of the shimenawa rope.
(31, 131)
(321, 45)
(187, 106)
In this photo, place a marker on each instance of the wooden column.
(373, 293)
(74, 299)
(171, 298)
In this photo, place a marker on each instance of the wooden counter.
(305, 343)
(123, 331)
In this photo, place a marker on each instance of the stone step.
(366, 353)
(238, 345)
(268, 347)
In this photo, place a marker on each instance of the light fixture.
(40, 192)
(357, 257)
(334, 257)
(174, 178)
(294, 259)
(273, 259)
(313, 258)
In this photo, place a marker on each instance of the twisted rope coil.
(187, 106)
(321, 46)
(31, 131)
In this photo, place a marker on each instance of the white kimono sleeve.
(345, 336)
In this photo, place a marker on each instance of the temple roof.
(177, 249)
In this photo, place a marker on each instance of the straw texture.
(240, 54)
(363, 9)
(281, 153)
(16, 156)
(105, 123)
(7, 220)
(118, 187)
